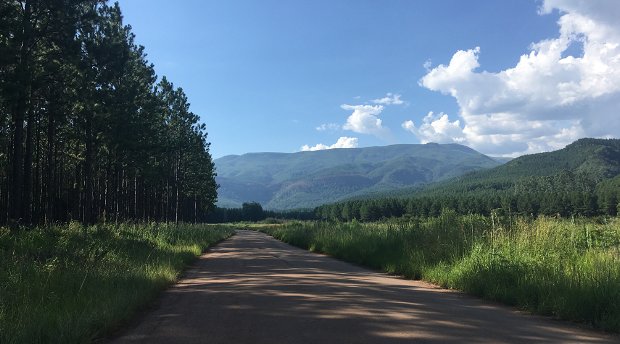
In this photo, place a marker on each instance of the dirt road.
(255, 289)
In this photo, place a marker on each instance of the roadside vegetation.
(568, 268)
(73, 283)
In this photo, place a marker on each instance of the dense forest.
(582, 179)
(253, 211)
(88, 132)
(563, 204)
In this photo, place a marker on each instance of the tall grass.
(71, 283)
(566, 268)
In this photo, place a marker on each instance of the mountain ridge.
(308, 179)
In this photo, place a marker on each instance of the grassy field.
(565, 268)
(70, 283)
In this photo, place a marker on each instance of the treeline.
(564, 194)
(603, 202)
(86, 131)
(253, 211)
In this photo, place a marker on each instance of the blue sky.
(269, 75)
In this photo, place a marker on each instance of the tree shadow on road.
(253, 289)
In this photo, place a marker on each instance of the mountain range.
(308, 179)
(582, 179)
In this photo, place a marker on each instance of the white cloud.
(549, 98)
(389, 99)
(365, 119)
(436, 128)
(343, 142)
(328, 126)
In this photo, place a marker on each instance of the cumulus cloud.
(389, 99)
(549, 98)
(343, 142)
(365, 119)
(436, 128)
(328, 127)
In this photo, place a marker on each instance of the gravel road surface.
(254, 289)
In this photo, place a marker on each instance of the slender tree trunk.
(88, 172)
(176, 184)
(135, 196)
(195, 209)
(37, 190)
(167, 198)
(23, 89)
(49, 194)
(105, 194)
(26, 211)
(145, 199)
(117, 195)
(59, 213)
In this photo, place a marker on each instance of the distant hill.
(580, 166)
(309, 179)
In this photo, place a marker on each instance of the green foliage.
(578, 167)
(253, 211)
(71, 283)
(566, 268)
(86, 132)
(308, 179)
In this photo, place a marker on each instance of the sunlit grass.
(70, 283)
(565, 268)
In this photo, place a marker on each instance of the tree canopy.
(87, 132)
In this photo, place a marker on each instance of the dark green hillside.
(307, 179)
(591, 160)
(597, 157)
(581, 179)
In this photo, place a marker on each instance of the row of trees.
(603, 202)
(562, 194)
(250, 211)
(86, 131)
(541, 203)
(253, 211)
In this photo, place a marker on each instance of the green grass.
(72, 284)
(566, 268)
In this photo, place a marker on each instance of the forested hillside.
(308, 179)
(581, 179)
(87, 132)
